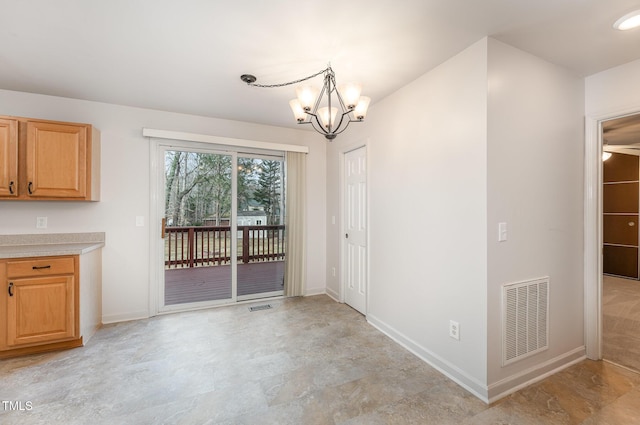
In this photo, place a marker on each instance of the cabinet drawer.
(41, 267)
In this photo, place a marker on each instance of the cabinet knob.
(11, 289)
(11, 187)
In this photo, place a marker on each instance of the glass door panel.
(198, 245)
(261, 230)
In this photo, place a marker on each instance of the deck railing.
(211, 245)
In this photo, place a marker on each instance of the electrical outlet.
(454, 330)
(41, 222)
(334, 271)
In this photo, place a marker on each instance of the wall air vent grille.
(525, 319)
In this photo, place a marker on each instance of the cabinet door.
(56, 160)
(40, 309)
(8, 158)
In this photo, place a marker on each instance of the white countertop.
(45, 245)
(19, 251)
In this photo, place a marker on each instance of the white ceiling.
(187, 56)
(622, 132)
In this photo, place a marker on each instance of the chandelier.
(343, 104)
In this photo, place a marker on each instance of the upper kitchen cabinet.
(8, 158)
(55, 161)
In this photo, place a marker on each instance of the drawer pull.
(41, 267)
(11, 289)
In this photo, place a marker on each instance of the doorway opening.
(620, 241)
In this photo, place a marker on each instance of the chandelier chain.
(289, 82)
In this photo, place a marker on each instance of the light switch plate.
(502, 232)
(140, 221)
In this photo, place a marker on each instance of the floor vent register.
(260, 307)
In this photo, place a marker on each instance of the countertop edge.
(48, 250)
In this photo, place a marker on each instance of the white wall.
(616, 89)
(493, 134)
(125, 190)
(427, 159)
(535, 166)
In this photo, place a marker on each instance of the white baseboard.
(523, 379)
(314, 291)
(333, 294)
(125, 317)
(469, 383)
(495, 391)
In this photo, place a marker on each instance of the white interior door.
(355, 226)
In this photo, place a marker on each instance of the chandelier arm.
(338, 129)
(344, 107)
(345, 127)
(288, 83)
(317, 125)
(314, 111)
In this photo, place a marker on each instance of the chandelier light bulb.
(306, 96)
(298, 110)
(327, 121)
(350, 93)
(361, 108)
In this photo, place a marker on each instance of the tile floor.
(621, 321)
(306, 361)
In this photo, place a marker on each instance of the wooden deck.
(196, 284)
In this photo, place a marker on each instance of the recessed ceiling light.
(628, 21)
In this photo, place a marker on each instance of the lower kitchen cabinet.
(42, 305)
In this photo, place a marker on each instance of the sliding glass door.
(198, 246)
(261, 229)
(223, 227)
